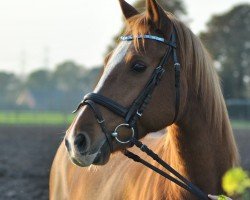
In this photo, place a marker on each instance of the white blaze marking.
(116, 58)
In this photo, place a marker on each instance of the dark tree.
(228, 40)
(8, 82)
(67, 76)
(10, 87)
(39, 80)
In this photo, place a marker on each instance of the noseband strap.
(99, 119)
(108, 103)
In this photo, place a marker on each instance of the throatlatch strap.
(177, 69)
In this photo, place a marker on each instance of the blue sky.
(36, 32)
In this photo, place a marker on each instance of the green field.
(33, 118)
(240, 124)
(57, 118)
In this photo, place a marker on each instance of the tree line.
(57, 90)
(227, 38)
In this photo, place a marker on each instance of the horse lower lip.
(97, 158)
(76, 162)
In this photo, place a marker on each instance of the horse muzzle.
(83, 154)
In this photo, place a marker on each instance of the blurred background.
(51, 54)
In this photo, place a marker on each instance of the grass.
(241, 124)
(35, 118)
(57, 118)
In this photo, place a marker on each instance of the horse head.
(136, 93)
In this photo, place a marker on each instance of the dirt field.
(26, 154)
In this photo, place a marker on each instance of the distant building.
(26, 99)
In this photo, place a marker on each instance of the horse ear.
(155, 13)
(127, 10)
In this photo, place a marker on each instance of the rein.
(133, 113)
(180, 180)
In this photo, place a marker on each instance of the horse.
(198, 140)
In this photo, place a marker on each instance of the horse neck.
(199, 150)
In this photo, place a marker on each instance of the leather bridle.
(132, 114)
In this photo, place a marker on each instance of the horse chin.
(83, 161)
(103, 156)
(78, 162)
(100, 157)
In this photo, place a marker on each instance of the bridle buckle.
(139, 113)
(177, 67)
(160, 72)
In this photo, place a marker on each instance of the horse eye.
(139, 67)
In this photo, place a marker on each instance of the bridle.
(133, 113)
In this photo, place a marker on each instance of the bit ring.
(115, 134)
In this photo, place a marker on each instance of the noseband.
(133, 113)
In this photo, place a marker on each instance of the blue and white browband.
(149, 37)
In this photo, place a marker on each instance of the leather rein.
(133, 113)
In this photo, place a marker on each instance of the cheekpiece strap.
(149, 37)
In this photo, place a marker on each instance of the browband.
(149, 37)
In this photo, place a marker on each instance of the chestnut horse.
(199, 144)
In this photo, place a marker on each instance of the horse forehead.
(117, 56)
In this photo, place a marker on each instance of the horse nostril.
(81, 143)
(67, 144)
